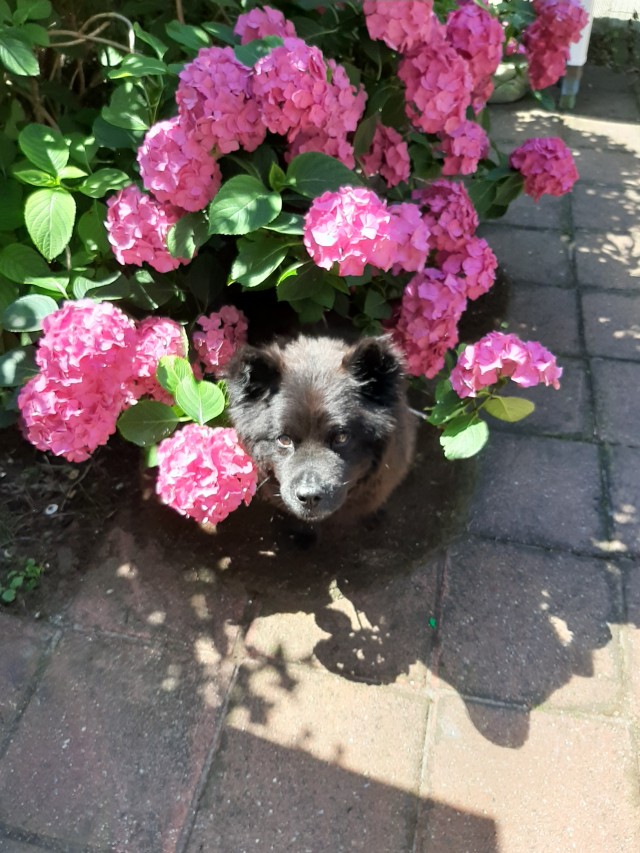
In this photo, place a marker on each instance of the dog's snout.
(309, 492)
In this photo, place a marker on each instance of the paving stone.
(608, 260)
(536, 256)
(539, 491)
(617, 167)
(112, 745)
(599, 103)
(601, 134)
(600, 205)
(548, 212)
(625, 496)
(555, 792)
(22, 645)
(530, 626)
(618, 411)
(10, 845)
(514, 123)
(545, 314)
(632, 636)
(612, 324)
(309, 761)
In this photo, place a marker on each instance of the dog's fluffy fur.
(326, 422)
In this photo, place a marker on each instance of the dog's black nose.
(308, 495)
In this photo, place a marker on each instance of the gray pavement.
(462, 676)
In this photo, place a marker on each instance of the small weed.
(24, 579)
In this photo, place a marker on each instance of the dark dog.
(326, 422)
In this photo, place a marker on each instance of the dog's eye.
(284, 440)
(341, 438)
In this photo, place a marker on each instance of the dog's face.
(316, 415)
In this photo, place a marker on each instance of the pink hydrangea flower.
(85, 357)
(449, 214)
(427, 326)
(176, 168)
(546, 41)
(203, 473)
(156, 337)
(137, 227)
(547, 166)
(477, 36)
(498, 356)
(259, 23)
(474, 263)
(223, 332)
(464, 146)
(313, 139)
(389, 157)
(216, 102)
(401, 24)
(410, 234)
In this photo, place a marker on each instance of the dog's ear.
(254, 373)
(377, 366)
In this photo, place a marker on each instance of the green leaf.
(158, 46)
(243, 204)
(27, 313)
(483, 195)
(191, 37)
(221, 32)
(57, 283)
(49, 216)
(147, 423)
(364, 135)
(22, 264)
(138, 66)
(463, 440)
(92, 231)
(34, 177)
(32, 10)
(71, 173)
(511, 409)
(287, 223)
(11, 209)
(277, 178)
(311, 174)
(17, 365)
(187, 235)
(8, 595)
(306, 282)
(509, 189)
(35, 34)
(114, 287)
(17, 57)
(376, 306)
(249, 54)
(446, 408)
(201, 401)
(257, 259)
(128, 108)
(109, 136)
(150, 293)
(45, 147)
(171, 370)
(102, 181)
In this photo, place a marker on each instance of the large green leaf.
(98, 184)
(510, 409)
(138, 66)
(27, 313)
(17, 57)
(128, 108)
(147, 423)
(464, 437)
(11, 208)
(201, 401)
(171, 370)
(22, 264)
(49, 215)
(45, 147)
(187, 235)
(249, 54)
(17, 365)
(311, 174)
(188, 36)
(257, 259)
(243, 204)
(31, 10)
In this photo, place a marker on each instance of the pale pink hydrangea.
(499, 356)
(401, 24)
(546, 41)
(318, 140)
(259, 23)
(156, 337)
(85, 357)
(389, 157)
(137, 227)
(204, 474)
(427, 326)
(474, 263)
(176, 168)
(463, 146)
(477, 36)
(410, 234)
(438, 86)
(547, 166)
(216, 102)
(223, 332)
(449, 214)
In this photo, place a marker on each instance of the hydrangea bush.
(335, 153)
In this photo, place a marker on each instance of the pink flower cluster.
(204, 474)
(401, 24)
(389, 157)
(85, 359)
(223, 332)
(353, 227)
(464, 145)
(500, 356)
(547, 166)
(137, 227)
(558, 23)
(156, 337)
(475, 263)
(259, 23)
(449, 214)
(477, 36)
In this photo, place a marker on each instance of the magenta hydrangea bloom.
(547, 166)
(389, 157)
(203, 473)
(223, 332)
(474, 263)
(313, 139)
(499, 356)
(477, 36)
(449, 214)
(176, 168)
(259, 23)
(438, 86)
(401, 24)
(216, 102)
(546, 41)
(427, 326)
(463, 146)
(137, 227)
(156, 337)
(85, 357)
(410, 234)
